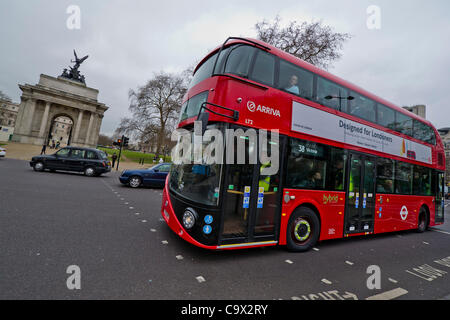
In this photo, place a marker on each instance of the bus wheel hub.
(302, 230)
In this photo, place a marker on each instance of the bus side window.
(404, 124)
(403, 178)
(385, 116)
(336, 172)
(385, 175)
(362, 107)
(422, 181)
(264, 68)
(307, 165)
(295, 80)
(239, 59)
(331, 95)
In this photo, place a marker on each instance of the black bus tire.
(422, 223)
(303, 230)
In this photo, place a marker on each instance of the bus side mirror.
(203, 117)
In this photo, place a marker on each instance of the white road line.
(153, 230)
(326, 281)
(441, 231)
(288, 261)
(315, 249)
(389, 295)
(131, 208)
(392, 280)
(164, 242)
(349, 263)
(144, 221)
(200, 279)
(179, 257)
(424, 242)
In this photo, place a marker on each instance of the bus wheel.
(303, 230)
(423, 220)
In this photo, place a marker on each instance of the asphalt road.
(124, 250)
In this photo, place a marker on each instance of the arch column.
(78, 126)
(88, 135)
(44, 121)
(29, 115)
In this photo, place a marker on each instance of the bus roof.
(293, 59)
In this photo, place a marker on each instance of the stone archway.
(60, 130)
(52, 97)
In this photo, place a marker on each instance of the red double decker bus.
(350, 163)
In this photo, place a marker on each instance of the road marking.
(126, 202)
(425, 242)
(326, 281)
(389, 295)
(441, 231)
(427, 272)
(349, 263)
(392, 280)
(164, 242)
(327, 295)
(288, 261)
(131, 208)
(137, 213)
(200, 279)
(144, 221)
(179, 257)
(315, 249)
(153, 230)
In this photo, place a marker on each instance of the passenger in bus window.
(339, 175)
(385, 187)
(292, 87)
(314, 181)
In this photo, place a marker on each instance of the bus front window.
(197, 182)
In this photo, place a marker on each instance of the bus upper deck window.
(295, 80)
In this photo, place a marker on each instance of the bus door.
(251, 203)
(360, 204)
(439, 197)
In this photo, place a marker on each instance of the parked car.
(152, 177)
(92, 162)
(2, 152)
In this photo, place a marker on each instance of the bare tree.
(104, 140)
(154, 109)
(313, 42)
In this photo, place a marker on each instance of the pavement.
(116, 237)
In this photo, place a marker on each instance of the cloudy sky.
(406, 61)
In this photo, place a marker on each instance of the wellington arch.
(57, 97)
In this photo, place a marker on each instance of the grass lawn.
(134, 156)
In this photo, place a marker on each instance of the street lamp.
(340, 99)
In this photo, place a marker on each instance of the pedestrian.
(114, 158)
(161, 160)
(57, 144)
(44, 147)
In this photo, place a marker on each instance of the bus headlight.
(189, 218)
